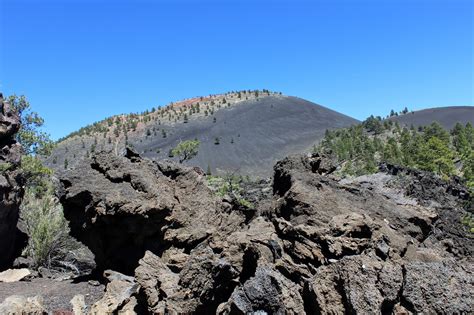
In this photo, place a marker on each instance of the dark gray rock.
(11, 191)
(356, 284)
(121, 206)
(268, 292)
(439, 287)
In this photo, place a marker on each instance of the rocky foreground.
(390, 243)
(384, 243)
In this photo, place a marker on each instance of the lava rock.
(121, 206)
(318, 245)
(11, 191)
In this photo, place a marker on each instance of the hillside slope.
(446, 116)
(248, 136)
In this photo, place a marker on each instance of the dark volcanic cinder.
(445, 116)
(252, 135)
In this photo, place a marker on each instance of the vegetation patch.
(229, 185)
(359, 149)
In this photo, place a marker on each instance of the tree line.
(360, 148)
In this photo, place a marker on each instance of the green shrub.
(5, 167)
(49, 241)
(36, 174)
(244, 202)
(468, 221)
(229, 184)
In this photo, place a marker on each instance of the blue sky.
(81, 61)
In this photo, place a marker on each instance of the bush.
(49, 242)
(37, 175)
(245, 203)
(468, 222)
(5, 166)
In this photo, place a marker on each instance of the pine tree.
(468, 170)
(469, 131)
(435, 156)
(392, 152)
(460, 141)
(436, 130)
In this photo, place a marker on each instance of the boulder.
(268, 292)
(13, 275)
(16, 304)
(11, 191)
(360, 284)
(78, 304)
(208, 274)
(121, 206)
(119, 295)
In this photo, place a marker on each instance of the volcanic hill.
(244, 132)
(446, 116)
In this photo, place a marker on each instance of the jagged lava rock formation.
(120, 206)
(11, 190)
(318, 246)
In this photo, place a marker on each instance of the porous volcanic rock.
(121, 206)
(11, 191)
(388, 240)
(319, 245)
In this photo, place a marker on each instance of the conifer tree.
(435, 156)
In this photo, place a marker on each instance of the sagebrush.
(49, 242)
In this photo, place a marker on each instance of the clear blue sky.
(81, 61)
